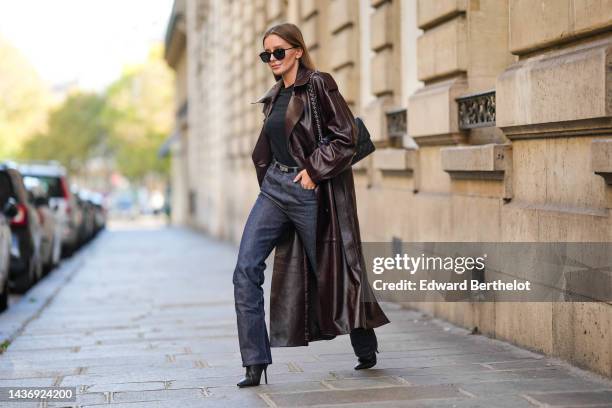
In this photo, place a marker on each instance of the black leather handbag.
(364, 145)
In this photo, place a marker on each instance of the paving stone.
(457, 369)
(420, 352)
(224, 385)
(28, 382)
(516, 387)
(145, 375)
(394, 393)
(559, 399)
(489, 376)
(27, 373)
(370, 382)
(229, 401)
(158, 395)
(161, 367)
(281, 380)
(520, 364)
(92, 398)
(507, 402)
(20, 404)
(127, 386)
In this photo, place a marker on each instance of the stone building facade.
(492, 120)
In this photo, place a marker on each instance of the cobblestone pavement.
(144, 317)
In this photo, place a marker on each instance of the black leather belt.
(283, 167)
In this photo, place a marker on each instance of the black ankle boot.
(253, 375)
(366, 362)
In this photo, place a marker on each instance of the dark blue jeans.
(280, 203)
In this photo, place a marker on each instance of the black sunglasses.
(278, 53)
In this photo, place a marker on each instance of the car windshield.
(51, 185)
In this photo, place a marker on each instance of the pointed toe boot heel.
(252, 376)
(366, 362)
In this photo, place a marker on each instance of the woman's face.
(273, 42)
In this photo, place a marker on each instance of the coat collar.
(301, 78)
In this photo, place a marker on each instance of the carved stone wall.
(503, 136)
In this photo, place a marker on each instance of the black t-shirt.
(275, 128)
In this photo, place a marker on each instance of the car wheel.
(27, 279)
(67, 250)
(4, 296)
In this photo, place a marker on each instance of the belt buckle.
(283, 167)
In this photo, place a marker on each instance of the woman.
(306, 210)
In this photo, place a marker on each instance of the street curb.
(14, 319)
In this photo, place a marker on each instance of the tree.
(24, 100)
(139, 111)
(126, 125)
(77, 132)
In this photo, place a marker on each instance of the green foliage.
(139, 111)
(127, 124)
(24, 100)
(76, 133)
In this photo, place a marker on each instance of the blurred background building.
(492, 121)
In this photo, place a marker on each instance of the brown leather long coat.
(306, 306)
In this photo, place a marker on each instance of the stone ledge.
(374, 116)
(274, 8)
(376, 3)
(570, 128)
(442, 51)
(486, 162)
(532, 95)
(395, 159)
(433, 112)
(307, 9)
(341, 15)
(310, 28)
(382, 23)
(488, 157)
(601, 159)
(386, 73)
(430, 13)
(548, 23)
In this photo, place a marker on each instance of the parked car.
(51, 245)
(87, 226)
(9, 210)
(100, 209)
(97, 210)
(61, 200)
(26, 233)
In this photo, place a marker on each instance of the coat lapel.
(294, 108)
(270, 93)
(302, 78)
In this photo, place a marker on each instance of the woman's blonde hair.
(292, 34)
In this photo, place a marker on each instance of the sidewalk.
(147, 320)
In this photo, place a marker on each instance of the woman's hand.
(304, 180)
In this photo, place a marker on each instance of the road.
(144, 317)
